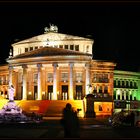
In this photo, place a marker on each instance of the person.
(132, 118)
(70, 122)
(11, 93)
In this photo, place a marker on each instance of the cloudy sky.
(115, 27)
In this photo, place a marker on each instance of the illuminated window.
(79, 76)
(76, 47)
(26, 49)
(71, 47)
(64, 76)
(35, 77)
(55, 46)
(66, 47)
(50, 77)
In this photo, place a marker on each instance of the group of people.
(70, 122)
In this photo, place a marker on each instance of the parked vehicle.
(122, 118)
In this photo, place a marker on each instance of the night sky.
(115, 27)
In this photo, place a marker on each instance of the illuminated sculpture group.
(11, 112)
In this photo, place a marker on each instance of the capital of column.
(10, 67)
(24, 66)
(71, 64)
(55, 64)
(39, 65)
(87, 64)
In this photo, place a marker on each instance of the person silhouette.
(70, 122)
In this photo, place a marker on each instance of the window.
(76, 47)
(26, 49)
(106, 89)
(131, 84)
(87, 49)
(100, 89)
(35, 77)
(64, 76)
(31, 48)
(79, 77)
(66, 47)
(71, 47)
(36, 48)
(50, 77)
(127, 85)
(114, 83)
(61, 46)
(130, 97)
(123, 84)
(55, 46)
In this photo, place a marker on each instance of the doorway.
(50, 92)
(64, 92)
(79, 94)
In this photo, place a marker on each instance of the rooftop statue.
(53, 28)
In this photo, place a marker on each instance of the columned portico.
(87, 82)
(71, 81)
(24, 97)
(39, 83)
(54, 97)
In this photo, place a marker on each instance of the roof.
(48, 51)
(52, 36)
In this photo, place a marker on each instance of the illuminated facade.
(55, 66)
(126, 90)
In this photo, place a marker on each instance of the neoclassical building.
(127, 90)
(60, 67)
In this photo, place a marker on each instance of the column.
(54, 81)
(10, 75)
(70, 81)
(39, 82)
(124, 95)
(24, 96)
(87, 83)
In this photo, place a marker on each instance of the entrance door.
(50, 92)
(65, 92)
(78, 95)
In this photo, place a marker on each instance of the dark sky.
(115, 27)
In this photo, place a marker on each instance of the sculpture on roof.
(53, 28)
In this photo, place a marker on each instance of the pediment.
(52, 36)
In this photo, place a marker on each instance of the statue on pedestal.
(11, 93)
